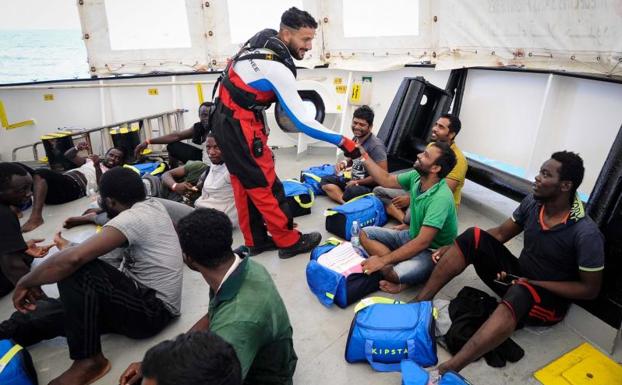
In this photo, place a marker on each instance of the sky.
(39, 14)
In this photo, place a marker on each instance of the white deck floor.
(319, 333)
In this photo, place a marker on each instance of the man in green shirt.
(245, 307)
(404, 256)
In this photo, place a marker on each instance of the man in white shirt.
(217, 192)
(53, 188)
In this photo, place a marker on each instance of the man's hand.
(372, 264)
(339, 167)
(36, 251)
(24, 299)
(503, 277)
(401, 202)
(351, 183)
(184, 187)
(82, 146)
(139, 149)
(95, 158)
(131, 375)
(349, 148)
(438, 254)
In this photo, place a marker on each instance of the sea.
(38, 55)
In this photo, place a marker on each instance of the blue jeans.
(412, 271)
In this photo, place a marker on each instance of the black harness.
(264, 39)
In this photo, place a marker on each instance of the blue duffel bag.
(385, 334)
(313, 175)
(367, 209)
(413, 374)
(331, 287)
(299, 196)
(151, 168)
(16, 366)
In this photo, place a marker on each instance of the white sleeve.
(279, 79)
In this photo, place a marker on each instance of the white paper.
(343, 259)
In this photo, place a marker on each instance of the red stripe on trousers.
(533, 291)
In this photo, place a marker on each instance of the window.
(147, 24)
(373, 18)
(247, 17)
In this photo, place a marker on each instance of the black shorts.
(62, 188)
(529, 304)
(348, 192)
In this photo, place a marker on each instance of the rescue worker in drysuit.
(259, 74)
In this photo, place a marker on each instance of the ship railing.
(150, 126)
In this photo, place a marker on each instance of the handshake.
(349, 148)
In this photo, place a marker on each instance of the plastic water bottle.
(354, 235)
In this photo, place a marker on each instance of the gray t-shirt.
(376, 150)
(154, 257)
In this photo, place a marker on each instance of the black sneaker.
(251, 251)
(305, 244)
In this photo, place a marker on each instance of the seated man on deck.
(191, 359)
(562, 260)
(183, 152)
(15, 254)
(138, 300)
(245, 308)
(403, 256)
(214, 186)
(397, 201)
(53, 187)
(340, 188)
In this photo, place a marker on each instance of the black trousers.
(530, 304)
(61, 187)
(184, 152)
(95, 300)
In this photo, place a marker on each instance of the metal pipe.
(101, 85)
(105, 135)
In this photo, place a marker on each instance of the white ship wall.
(517, 118)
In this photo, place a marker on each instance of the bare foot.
(32, 223)
(85, 219)
(390, 287)
(60, 242)
(84, 372)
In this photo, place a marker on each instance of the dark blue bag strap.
(383, 367)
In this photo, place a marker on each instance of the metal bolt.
(81, 2)
(325, 19)
(86, 36)
(435, 19)
(210, 33)
(572, 57)
(214, 62)
(327, 55)
(207, 4)
(93, 69)
(434, 54)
